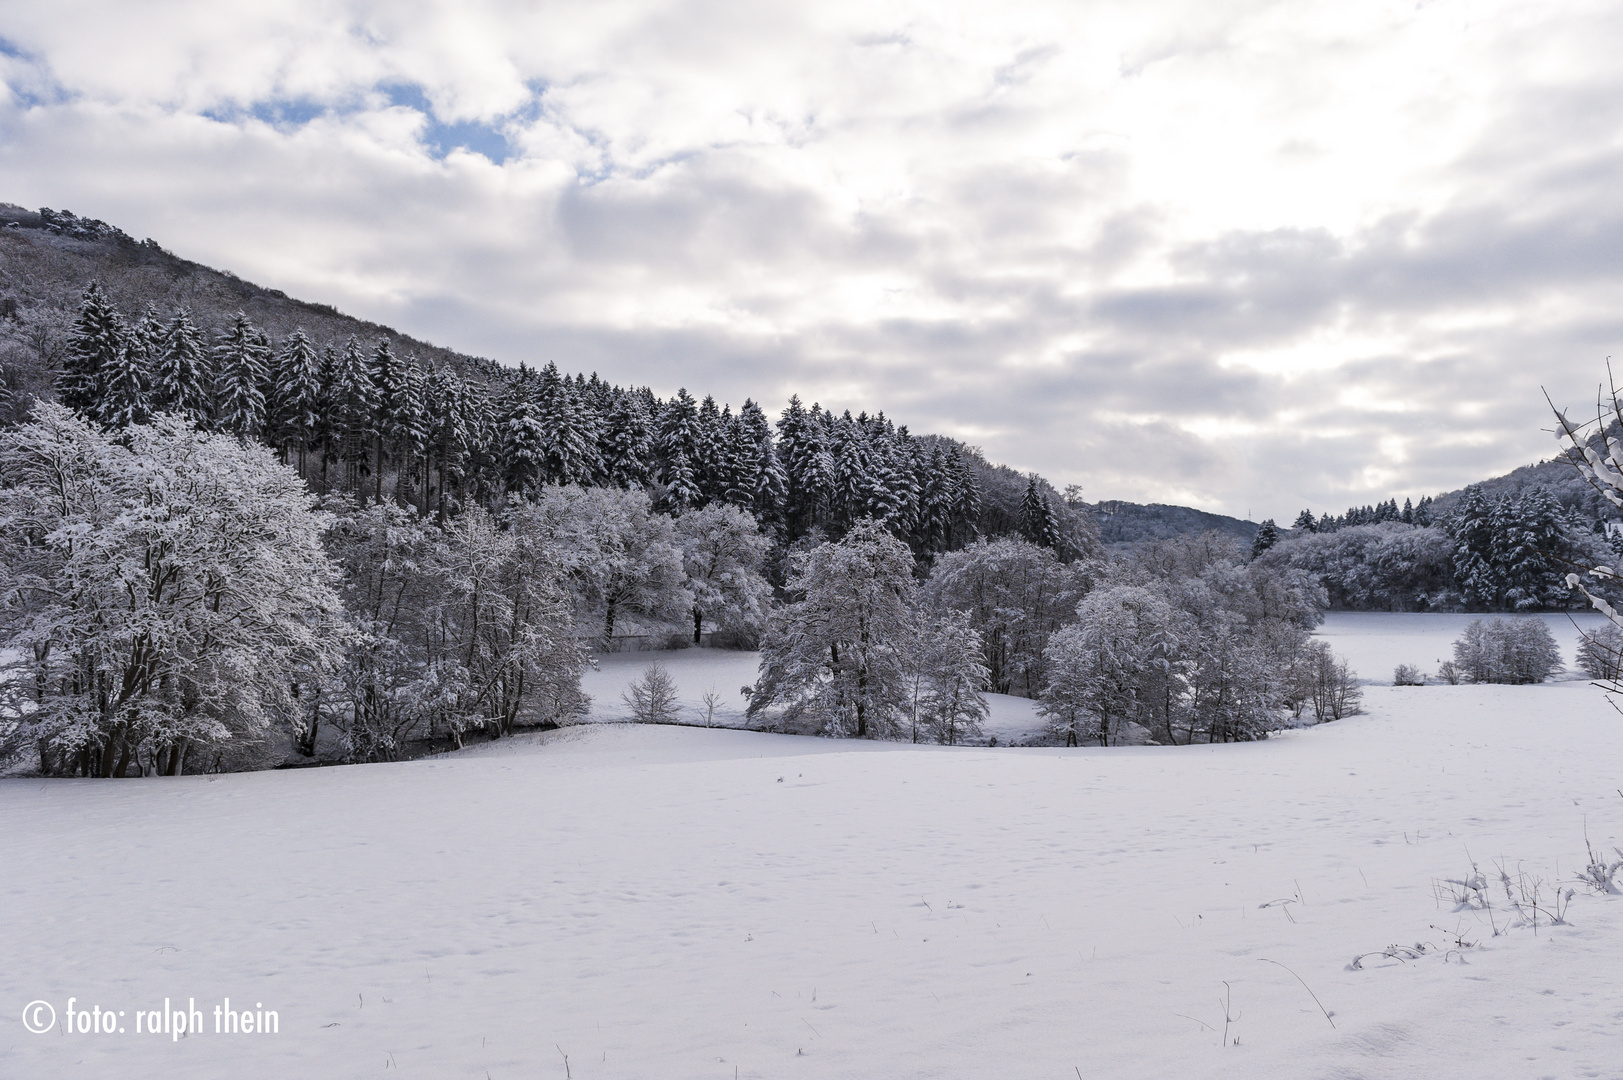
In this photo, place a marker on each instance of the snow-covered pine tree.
(241, 368)
(354, 407)
(181, 375)
(93, 349)
(298, 396)
(1037, 521)
(678, 435)
(1267, 536)
(1473, 525)
(524, 445)
(408, 432)
(624, 443)
(853, 471)
(709, 451)
(1532, 551)
(771, 487)
(570, 435)
(446, 435)
(741, 463)
(681, 486)
(1407, 516)
(127, 389)
(387, 374)
(1306, 522)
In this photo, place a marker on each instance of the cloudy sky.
(1246, 256)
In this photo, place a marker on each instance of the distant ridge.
(1122, 522)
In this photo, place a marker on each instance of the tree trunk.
(698, 624)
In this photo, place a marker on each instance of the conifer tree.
(570, 435)
(1473, 525)
(408, 431)
(180, 371)
(387, 374)
(1267, 536)
(524, 446)
(126, 390)
(298, 395)
(1305, 521)
(678, 433)
(624, 443)
(1037, 521)
(446, 434)
(681, 486)
(354, 406)
(94, 345)
(241, 371)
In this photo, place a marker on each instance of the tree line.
(1509, 552)
(362, 419)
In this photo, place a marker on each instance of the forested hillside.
(361, 408)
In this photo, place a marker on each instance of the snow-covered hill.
(672, 902)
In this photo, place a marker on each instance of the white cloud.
(1257, 255)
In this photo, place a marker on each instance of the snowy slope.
(672, 903)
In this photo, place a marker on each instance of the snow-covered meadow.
(1375, 642)
(675, 902)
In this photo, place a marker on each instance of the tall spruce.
(241, 371)
(94, 345)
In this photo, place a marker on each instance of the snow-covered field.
(675, 902)
(697, 671)
(1375, 642)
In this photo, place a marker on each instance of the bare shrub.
(1407, 675)
(652, 698)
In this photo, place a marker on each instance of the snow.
(1375, 642)
(695, 671)
(677, 902)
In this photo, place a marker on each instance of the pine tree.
(447, 436)
(678, 434)
(94, 345)
(624, 443)
(408, 430)
(571, 437)
(524, 445)
(126, 391)
(1037, 521)
(1422, 512)
(1473, 525)
(354, 406)
(298, 395)
(1407, 517)
(241, 367)
(1267, 536)
(181, 372)
(387, 374)
(1305, 521)
(1532, 551)
(682, 486)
